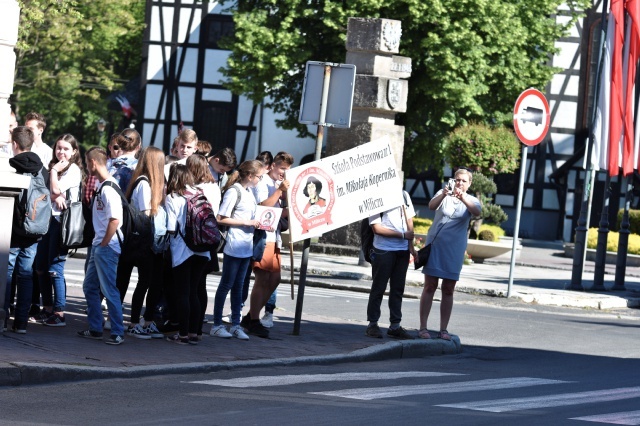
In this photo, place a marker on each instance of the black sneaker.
(373, 331)
(399, 333)
(41, 317)
(245, 322)
(257, 329)
(90, 334)
(176, 338)
(55, 321)
(114, 340)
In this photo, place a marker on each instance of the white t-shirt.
(45, 153)
(265, 188)
(393, 219)
(240, 238)
(176, 206)
(70, 180)
(212, 193)
(107, 205)
(167, 167)
(141, 195)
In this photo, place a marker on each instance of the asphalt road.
(522, 364)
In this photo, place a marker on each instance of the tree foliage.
(71, 55)
(471, 58)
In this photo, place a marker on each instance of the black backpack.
(136, 229)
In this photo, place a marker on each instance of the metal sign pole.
(516, 229)
(307, 243)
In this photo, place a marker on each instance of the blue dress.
(448, 236)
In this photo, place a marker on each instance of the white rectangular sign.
(342, 189)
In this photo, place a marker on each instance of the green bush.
(496, 230)
(487, 235)
(634, 220)
(612, 241)
(421, 225)
(489, 150)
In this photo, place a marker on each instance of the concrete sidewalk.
(541, 276)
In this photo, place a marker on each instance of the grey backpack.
(34, 208)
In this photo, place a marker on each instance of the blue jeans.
(271, 303)
(101, 276)
(233, 273)
(50, 261)
(21, 263)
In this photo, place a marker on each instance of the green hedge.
(634, 220)
(612, 241)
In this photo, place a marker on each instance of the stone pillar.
(380, 93)
(10, 183)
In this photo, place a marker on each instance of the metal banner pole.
(307, 243)
(516, 229)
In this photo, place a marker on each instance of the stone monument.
(380, 93)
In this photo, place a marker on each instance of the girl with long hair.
(202, 178)
(65, 177)
(188, 266)
(146, 193)
(238, 213)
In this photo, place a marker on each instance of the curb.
(17, 373)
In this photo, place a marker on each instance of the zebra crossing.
(439, 383)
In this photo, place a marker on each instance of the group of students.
(155, 184)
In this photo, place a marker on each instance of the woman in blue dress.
(448, 238)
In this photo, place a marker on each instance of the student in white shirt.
(199, 168)
(188, 266)
(102, 265)
(240, 218)
(65, 176)
(146, 193)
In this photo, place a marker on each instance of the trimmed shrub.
(487, 235)
(612, 241)
(421, 226)
(497, 231)
(634, 220)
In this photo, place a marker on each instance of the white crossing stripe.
(546, 401)
(624, 418)
(478, 385)
(258, 381)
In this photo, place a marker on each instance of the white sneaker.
(267, 320)
(139, 332)
(107, 325)
(220, 331)
(237, 332)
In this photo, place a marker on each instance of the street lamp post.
(102, 125)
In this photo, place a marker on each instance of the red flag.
(617, 107)
(633, 9)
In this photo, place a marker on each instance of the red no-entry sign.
(531, 117)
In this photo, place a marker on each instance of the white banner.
(342, 189)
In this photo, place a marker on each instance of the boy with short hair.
(222, 163)
(269, 192)
(23, 248)
(37, 123)
(102, 264)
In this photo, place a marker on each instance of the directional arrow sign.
(531, 117)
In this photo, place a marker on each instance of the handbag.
(423, 256)
(76, 227)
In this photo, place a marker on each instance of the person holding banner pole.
(454, 210)
(269, 192)
(392, 244)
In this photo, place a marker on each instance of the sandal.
(423, 333)
(444, 335)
